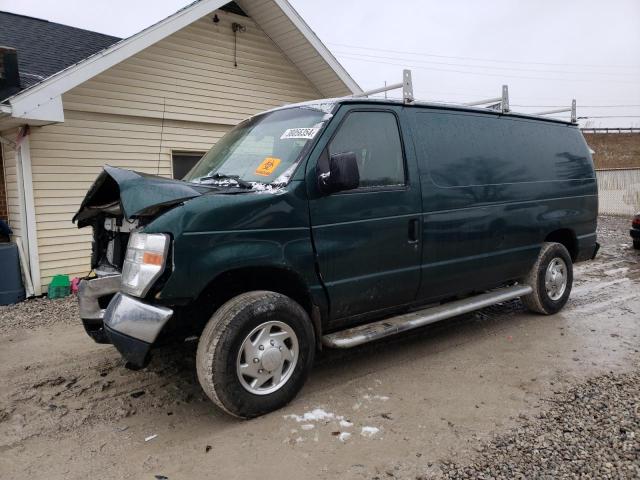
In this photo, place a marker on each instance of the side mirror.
(342, 175)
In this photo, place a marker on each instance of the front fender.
(220, 233)
(201, 257)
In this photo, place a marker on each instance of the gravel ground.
(37, 313)
(614, 228)
(591, 431)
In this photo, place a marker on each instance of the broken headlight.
(144, 262)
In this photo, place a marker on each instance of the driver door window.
(374, 138)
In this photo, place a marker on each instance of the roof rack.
(406, 85)
(500, 103)
(572, 109)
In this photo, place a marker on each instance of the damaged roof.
(45, 48)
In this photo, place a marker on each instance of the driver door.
(367, 239)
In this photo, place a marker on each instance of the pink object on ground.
(74, 285)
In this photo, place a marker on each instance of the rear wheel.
(551, 278)
(255, 353)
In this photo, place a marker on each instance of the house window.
(183, 162)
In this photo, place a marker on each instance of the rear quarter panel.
(493, 188)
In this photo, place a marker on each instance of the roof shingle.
(45, 48)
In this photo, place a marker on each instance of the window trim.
(377, 188)
(185, 153)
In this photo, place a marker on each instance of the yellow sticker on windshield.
(267, 166)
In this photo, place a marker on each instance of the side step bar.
(391, 326)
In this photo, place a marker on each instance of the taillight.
(636, 221)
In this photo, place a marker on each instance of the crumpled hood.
(135, 193)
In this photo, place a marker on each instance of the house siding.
(10, 167)
(190, 76)
(67, 157)
(282, 30)
(180, 94)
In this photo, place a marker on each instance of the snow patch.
(315, 415)
(344, 436)
(265, 188)
(307, 426)
(345, 424)
(382, 398)
(369, 431)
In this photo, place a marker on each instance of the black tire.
(222, 339)
(539, 300)
(636, 244)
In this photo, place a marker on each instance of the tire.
(636, 244)
(262, 316)
(542, 300)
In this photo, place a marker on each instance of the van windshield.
(263, 149)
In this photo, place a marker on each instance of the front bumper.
(91, 293)
(133, 326)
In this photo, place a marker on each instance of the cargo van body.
(352, 211)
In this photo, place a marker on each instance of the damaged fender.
(132, 193)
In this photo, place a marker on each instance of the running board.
(391, 326)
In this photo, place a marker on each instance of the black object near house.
(11, 287)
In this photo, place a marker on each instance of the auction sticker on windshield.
(307, 133)
(267, 166)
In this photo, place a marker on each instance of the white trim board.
(29, 226)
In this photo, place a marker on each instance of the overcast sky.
(547, 51)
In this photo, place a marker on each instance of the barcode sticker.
(307, 133)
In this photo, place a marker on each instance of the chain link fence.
(619, 191)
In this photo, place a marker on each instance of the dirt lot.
(499, 393)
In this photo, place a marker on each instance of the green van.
(334, 223)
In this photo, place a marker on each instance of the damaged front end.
(119, 204)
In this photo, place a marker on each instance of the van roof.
(328, 104)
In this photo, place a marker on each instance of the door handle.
(414, 234)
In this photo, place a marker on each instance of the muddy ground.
(419, 406)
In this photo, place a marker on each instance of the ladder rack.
(572, 109)
(500, 103)
(406, 85)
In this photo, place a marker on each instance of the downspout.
(23, 152)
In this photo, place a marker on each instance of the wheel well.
(567, 238)
(234, 282)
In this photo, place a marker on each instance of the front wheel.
(255, 353)
(551, 278)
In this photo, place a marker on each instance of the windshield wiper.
(222, 176)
